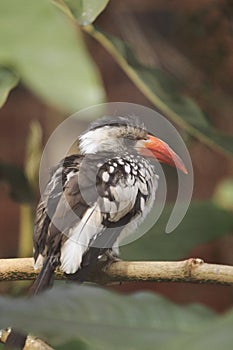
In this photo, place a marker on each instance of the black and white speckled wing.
(116, 190)
(101, 195)
(46, 252)
(131, 182)
(48, 204)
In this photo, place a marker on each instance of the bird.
(97, 197)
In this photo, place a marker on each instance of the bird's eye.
(130, 137)
(129, 141)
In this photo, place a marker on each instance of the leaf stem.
(197, 132)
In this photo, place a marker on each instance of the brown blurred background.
(199, 38)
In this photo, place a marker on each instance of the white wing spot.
(142, 171)
(130, 180)
(121, 162)
(127, 168)
(105, 176)
(70, 175)
(111, 169)
(142, 203)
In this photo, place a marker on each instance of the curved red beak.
(156, 148)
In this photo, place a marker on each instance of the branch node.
(4, 335)
(191, 265)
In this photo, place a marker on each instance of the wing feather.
(89, 214)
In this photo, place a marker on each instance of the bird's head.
(127, 134)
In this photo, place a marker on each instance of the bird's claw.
(111, 257)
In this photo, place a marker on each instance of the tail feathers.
(16, 340)
(89, 261)
(44, 279)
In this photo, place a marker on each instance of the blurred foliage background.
(173, 56)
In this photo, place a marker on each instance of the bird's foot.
(111, 257)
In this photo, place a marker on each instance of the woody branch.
(190, 270)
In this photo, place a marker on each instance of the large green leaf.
(86, 11)
(8, 80)
(218, 336)
(74, 345)
(204, 222)
(107, 320)
(163, 92)
(48, 52)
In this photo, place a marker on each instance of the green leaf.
(8, 80)
(74, 345)
(204, 222)
(48, 52)
(217, 336)
(86, 11)
(33, 153)
(20, 189)
(104, 319)
(32, 164)
(223, 194)
(163, 92)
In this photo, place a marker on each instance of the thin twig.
(190, 270)
(31, 343)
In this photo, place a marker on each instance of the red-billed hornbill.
(95, 198)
